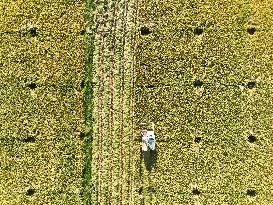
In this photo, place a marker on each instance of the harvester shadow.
(150, 158)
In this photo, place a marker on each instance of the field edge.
(88, 105)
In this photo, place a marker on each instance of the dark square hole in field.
(197, 83)
(82, 32)
(82, 135)
(32, 85)
(198, 31)
(105, 8)
(33, 31)
(140, 190)
(145, 30)
(151, 189)
(195, 191)
(251, 138)
(30, 191)
(251, 192)
(251, 85)
(251, 30)
(29, 139)
(197, 139)
(225, 153)
(150, 86)
(82, 84)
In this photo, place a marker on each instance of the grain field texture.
(41, 109)
(204, 77)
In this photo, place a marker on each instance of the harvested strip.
(112, 105)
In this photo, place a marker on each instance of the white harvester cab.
(148, 137)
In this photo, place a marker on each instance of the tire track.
(96, 146)
(112, 84)
(111, 116)
(107, 144)
(115, 189)
(99, 159)
(128, 57)
(133, 42)
(140, 170)
(101, 125)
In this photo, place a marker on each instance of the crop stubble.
(113, 156)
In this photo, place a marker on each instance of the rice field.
(204, 79)
(201, 73)
(41, 109)
(79, 78)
